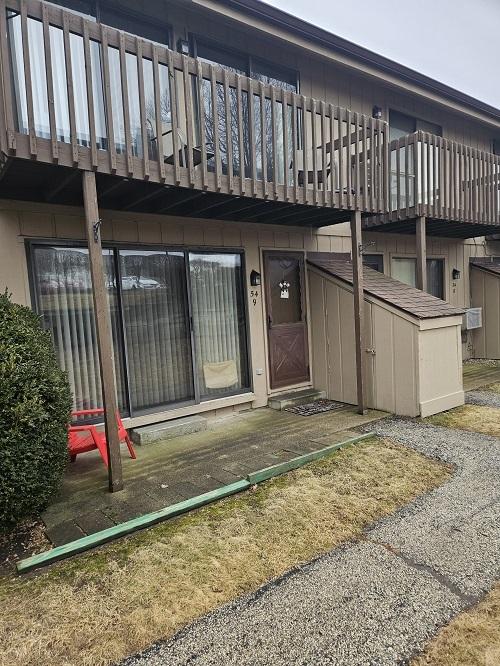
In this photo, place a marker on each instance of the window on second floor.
(109, 13)
(401, 124)
(247, 65)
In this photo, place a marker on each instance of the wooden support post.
(103, 328)
(359, 307)
(421, 243)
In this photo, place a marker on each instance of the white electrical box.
(473, 318)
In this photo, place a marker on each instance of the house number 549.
(254, 294)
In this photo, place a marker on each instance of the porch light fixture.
(255, 279)
(377, 112)
(455, 274)
(183, 46)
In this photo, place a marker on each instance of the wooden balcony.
(456, 187)
(165, 132)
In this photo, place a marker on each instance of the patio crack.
(420, 567)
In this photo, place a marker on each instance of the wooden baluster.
(158, 117)
(295, 148)
(451, 176)
(107, 99)
(381, 167)
(215, 113)
(314, 142)
(398, 179)
(202, 121)
(71, 96)
(284, 112)
(348, 157)
(173, 111)
(94, 162)
(54, 147)
(252, 131)
(305, 165)
(323, 151)
(274, 143)
(372, 171)
(334, 200)
(415, 174)
(125, 102)
(263, 135)
(8, 141)
(28, 81)
(364, 166)
(188, 102)
(229, 132)
(387, 167)
(142, 108)
(461, 184)
(407, 176)
(356, 161)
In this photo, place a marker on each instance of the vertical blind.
(64, 300)
(161, 358)
(156, 326)
(218, 322)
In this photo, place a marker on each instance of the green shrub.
(35, 403)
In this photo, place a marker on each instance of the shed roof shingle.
(417, 303)
(487, 265)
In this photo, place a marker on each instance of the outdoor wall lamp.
(377, 112)
(254, 279)
(455, 274)
(183, 46)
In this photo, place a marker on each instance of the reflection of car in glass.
(135, 282)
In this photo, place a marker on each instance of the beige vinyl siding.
(485, 290)
(23, 221)
(403, 375)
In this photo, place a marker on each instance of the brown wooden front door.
(286, 318)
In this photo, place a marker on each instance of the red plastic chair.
(83, 438)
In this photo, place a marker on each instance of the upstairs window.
(241, 63)
(401, 124)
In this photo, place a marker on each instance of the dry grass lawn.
(470, 417)
(471, 639)
(97, 608)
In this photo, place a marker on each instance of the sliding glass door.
(178, 322)
(156, 327)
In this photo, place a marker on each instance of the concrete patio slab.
(178, 469)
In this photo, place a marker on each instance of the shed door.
(286, 318)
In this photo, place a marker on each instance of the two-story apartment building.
(174, 162)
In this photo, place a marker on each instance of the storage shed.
(413, 341)
(485, 294)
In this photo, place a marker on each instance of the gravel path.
(374, 602)
(484, 398)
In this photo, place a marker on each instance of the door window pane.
(284, 283)
(157, 335)
(64, 298)
(218, 309)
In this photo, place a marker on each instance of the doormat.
(316, 407)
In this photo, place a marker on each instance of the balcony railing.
(443, 180)
(84, 95)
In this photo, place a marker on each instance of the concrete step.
(293, 398)
(168, 429)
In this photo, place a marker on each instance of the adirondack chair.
(86, 437)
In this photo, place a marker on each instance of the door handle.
(269, 321)
(371, 351)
